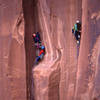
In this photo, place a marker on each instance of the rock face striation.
(68, 71)
(87, 84)
(12, 51)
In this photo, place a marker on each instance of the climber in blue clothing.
(76, 30)
(41, 54)
(40, 49)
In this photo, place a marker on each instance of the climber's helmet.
(42, 47)
(77, 21)
(34, 34)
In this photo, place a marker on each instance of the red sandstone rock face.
(12, 55)
(78, 76)
(87, 87)
(56, 24)
(66, 73)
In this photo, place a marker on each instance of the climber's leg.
(76, 35)
(37, 60)
(41, 56)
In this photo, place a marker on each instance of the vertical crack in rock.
(66, 72)
(31, 25)
(87, 63)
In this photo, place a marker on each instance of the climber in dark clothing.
(37, 39)
(41, 54)
(34, 37)
(76, 30)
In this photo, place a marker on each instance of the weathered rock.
(12, 55)
(87, 87)
(78, 68)
(67, 72)
(56, 20)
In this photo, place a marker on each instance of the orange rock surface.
(68, 71)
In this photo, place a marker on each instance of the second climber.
(76, 30)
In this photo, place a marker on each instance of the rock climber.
(41, 54)
(76, 30)
(37, 39)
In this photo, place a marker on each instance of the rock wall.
(87, 87)
(55, 77)
(73, 71)
(12, 52)
(31, 25)
(67, 72)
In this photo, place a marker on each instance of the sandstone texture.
(68, 71)
(12, 52)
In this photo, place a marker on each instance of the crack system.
(31, 25)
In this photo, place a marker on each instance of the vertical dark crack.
(31, 25)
